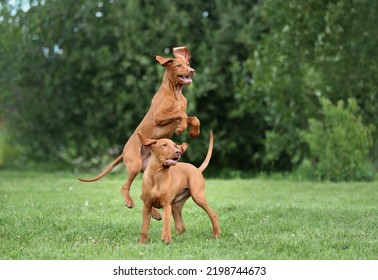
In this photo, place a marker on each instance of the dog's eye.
(178, 65)
(164, 145)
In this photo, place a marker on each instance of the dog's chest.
(159, 196)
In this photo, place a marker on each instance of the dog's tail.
(208, 156)
(106, 170)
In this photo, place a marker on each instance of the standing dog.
(166, 116)
(168, 183)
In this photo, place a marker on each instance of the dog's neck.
(157, 174)
(156, 167)
(171, 85)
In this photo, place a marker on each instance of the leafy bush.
(339, 143)
(299, 51)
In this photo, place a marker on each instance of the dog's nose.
(192, 71)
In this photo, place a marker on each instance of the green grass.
(54, 216)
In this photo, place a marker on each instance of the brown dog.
(168, 184)
(167, 115)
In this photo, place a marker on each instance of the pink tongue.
(186, 80)
(170, 162)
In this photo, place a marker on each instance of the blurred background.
(286, 86)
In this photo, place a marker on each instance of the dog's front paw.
(194, 132)
(180, 129)
(143, 239)
(166, 239)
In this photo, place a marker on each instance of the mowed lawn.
(54, 216)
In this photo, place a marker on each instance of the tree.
(86, 74)
(308, 49)
(79, 75)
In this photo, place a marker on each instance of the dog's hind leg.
(177, 217)
(133, 165)
(126, 190)
(200, 199)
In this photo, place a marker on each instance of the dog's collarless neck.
(178, 92)
(157, 168)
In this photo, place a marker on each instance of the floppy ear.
(182, 52)
(146, 141)
(163, 61)
(183, 147)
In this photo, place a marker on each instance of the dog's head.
(178, 68)
(165, 150)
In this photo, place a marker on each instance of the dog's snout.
(192, 71)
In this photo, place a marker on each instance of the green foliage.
(78, 76)
(307, 49)
(339, 142)
(86, 75)
(74, 99)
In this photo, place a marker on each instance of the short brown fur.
(168, 184)
(166, 116)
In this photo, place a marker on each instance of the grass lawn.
(54, 216)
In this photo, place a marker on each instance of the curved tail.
(106, 170)
(208, 156)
